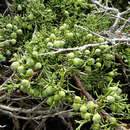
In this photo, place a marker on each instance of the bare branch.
(124, 25)
(62, 50)
(111, 39)
(86, 29)
(22, 110)
(125, 12)
(35, 29)
(105, 7)
(6, 81)
(119, 17)
(3, 97)
(116, 23)
(63, 113)
(8, 6)
(118, 14)
(5, 41)
(2, 126)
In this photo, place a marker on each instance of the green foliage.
(40, 26)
